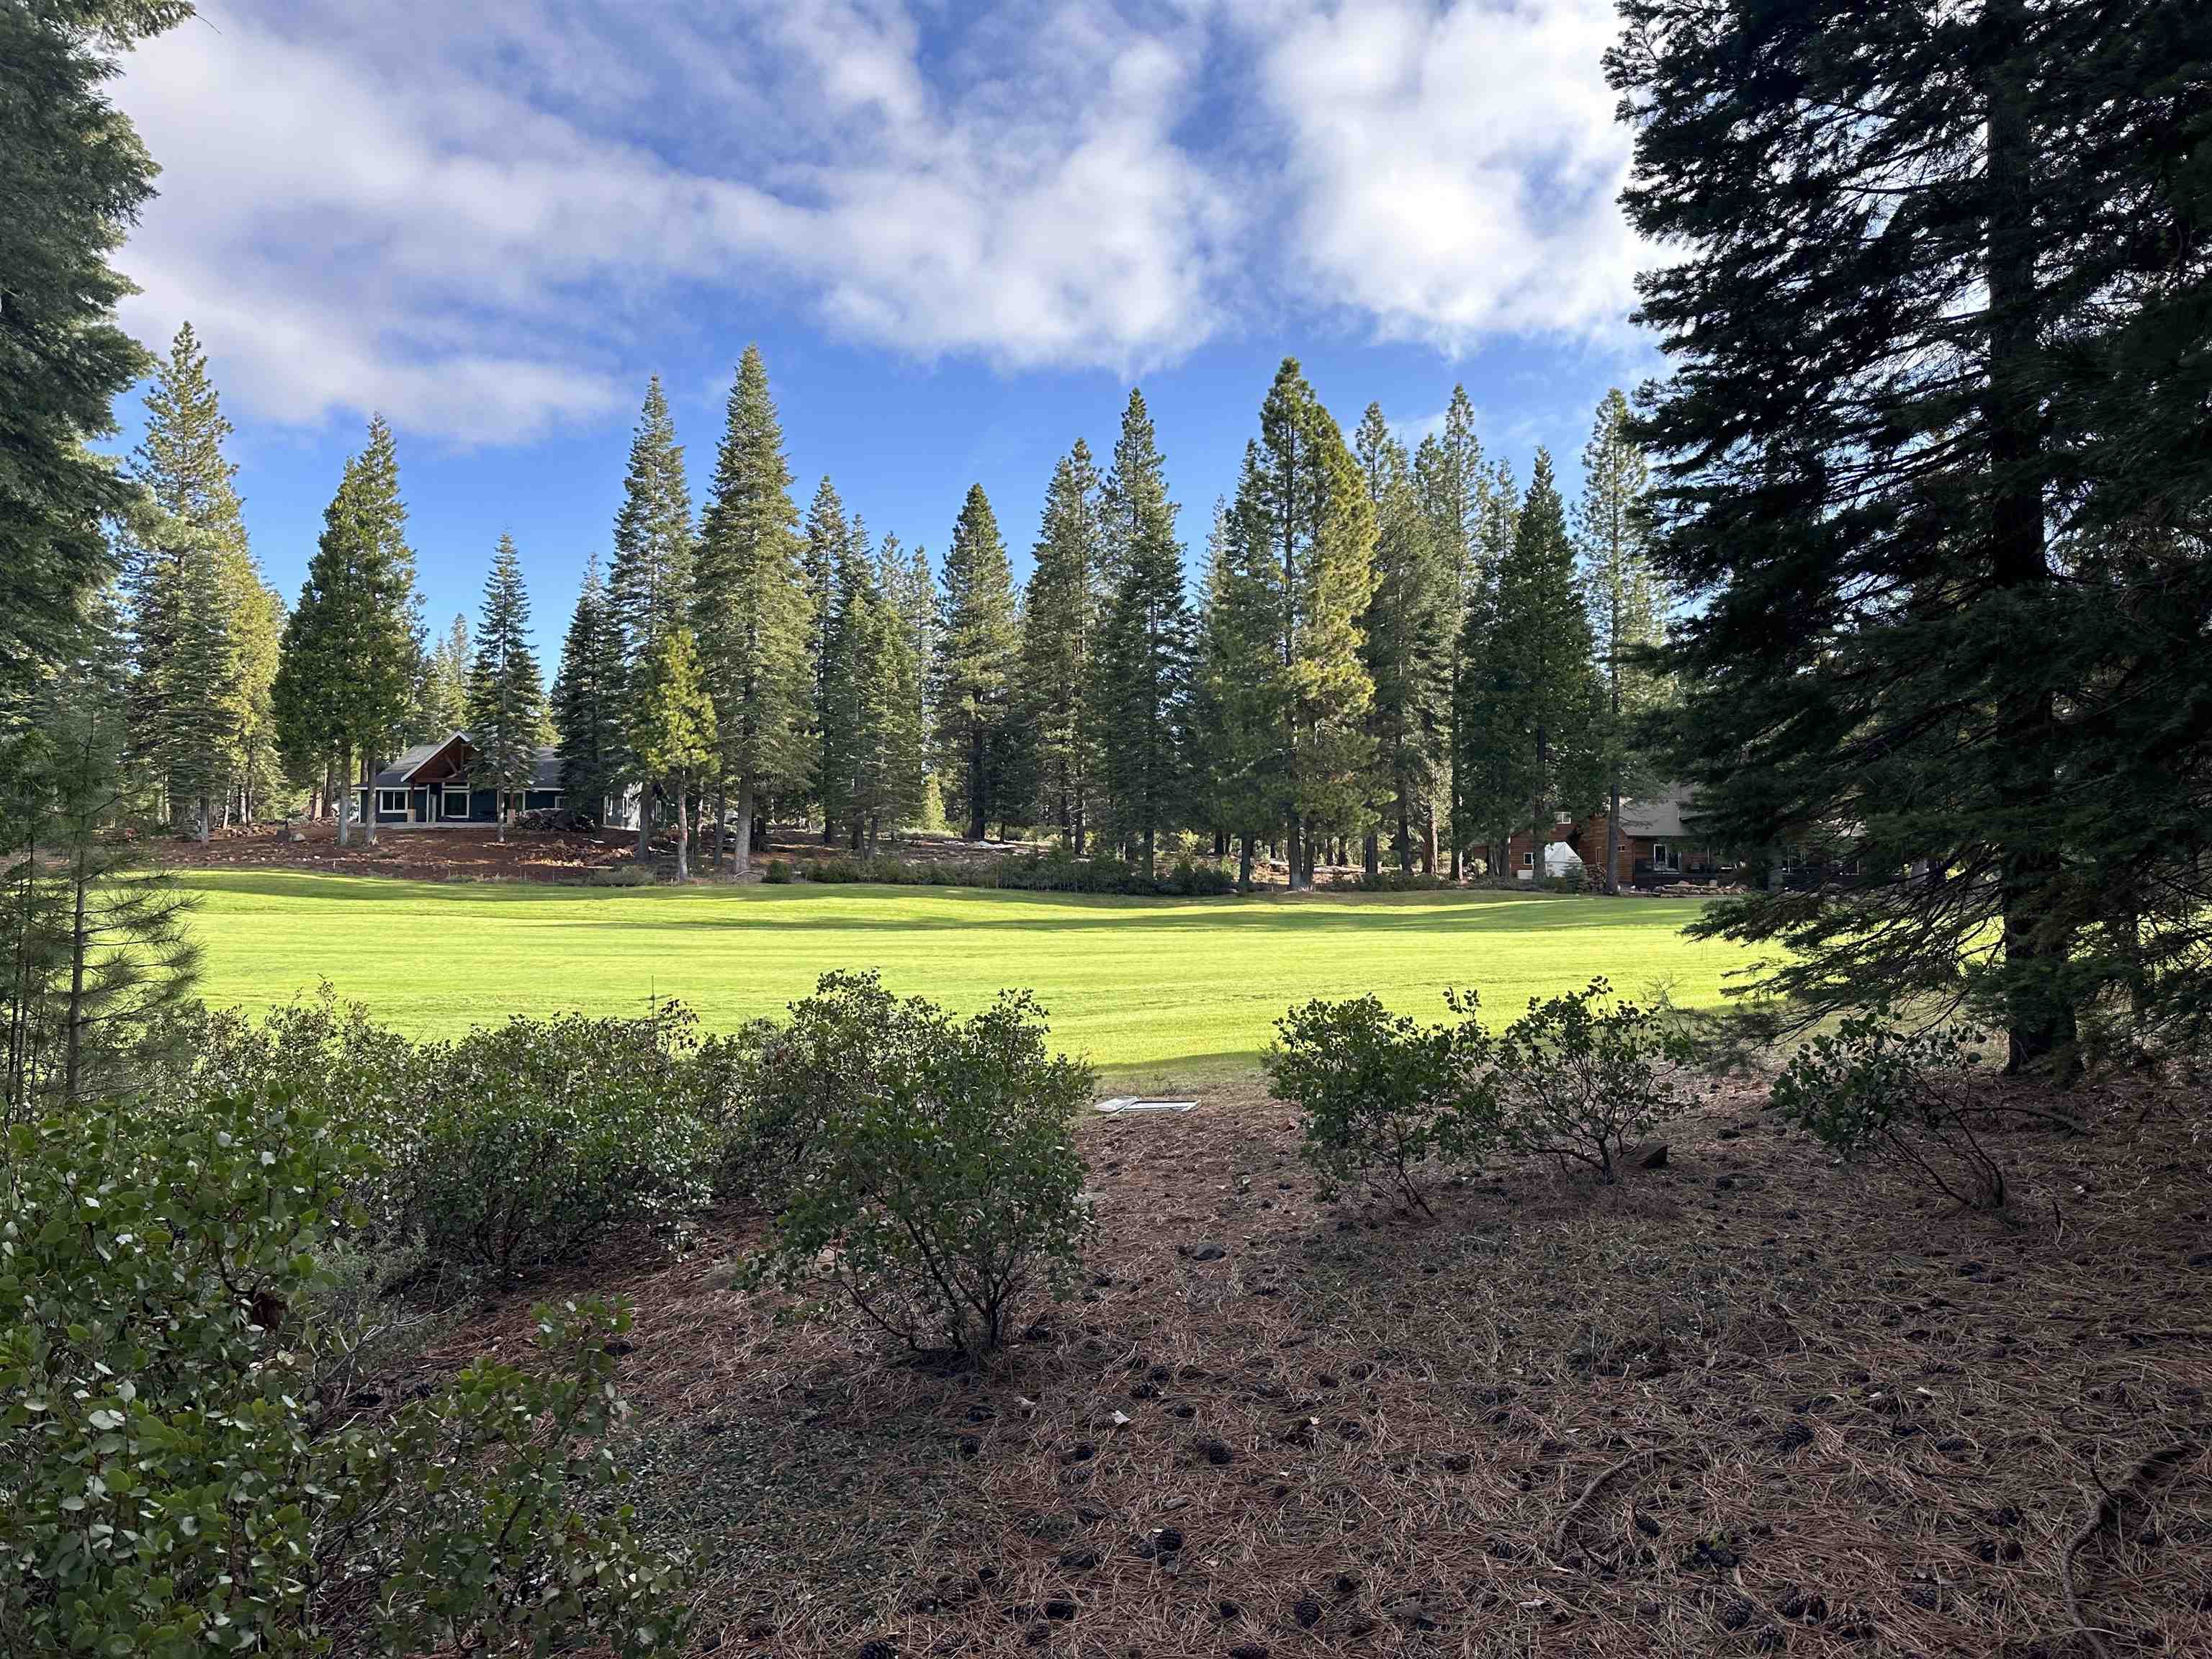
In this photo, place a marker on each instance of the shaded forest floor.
(1748, 1402)
(527, 855)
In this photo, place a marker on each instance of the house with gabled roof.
(434, 784)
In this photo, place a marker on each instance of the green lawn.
(1161, 986)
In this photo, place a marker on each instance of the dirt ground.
(1749, 1402)
(527, 854)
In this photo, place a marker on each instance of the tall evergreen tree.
(587, 702)
(1060, 646)
(350, 648)
(853, 644)
(1307, 531)
(1455, 490)
(93, 945)
(441, 695)
(827, 549)
(1412, 629)
(649, 577)
(1540, 653)
(674, 740)
(1627, 608)
(1932, 481)
(198, 699)
(76, 176)
(1237, 689)
(507, 694)
(191, 551)
(892, 792)
(1144, 641)
(753, 614)
(977, 647)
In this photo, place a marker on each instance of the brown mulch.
(1748, 1402)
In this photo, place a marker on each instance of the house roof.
(544, 771)
(1661, 817)
(403, 769)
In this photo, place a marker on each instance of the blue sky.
(960, 233)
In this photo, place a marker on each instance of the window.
(1659, 855)
(456, 804)
(1528, 861)
(392, 800)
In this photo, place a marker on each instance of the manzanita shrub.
(1879, 1088)
(168, 1485)
(1581, 1074)
(533, 1140)
(1386, 1101)
(935, 1184)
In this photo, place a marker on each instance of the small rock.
(1060, 1607)
(1079, 1560)
(1655, 1156)
(1208, 1253)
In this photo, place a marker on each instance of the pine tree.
(507, 696)
(895, 714)
(852, 644)
(977, 647)
(1454, 488)
(441, 695)
(191, 551)
(587, 702)
(650, 578)
(76, 176)
(1143, 658)
(197, 701)
(1060, 646)
(1937, 400)
(350, 649)
(95, 947)
(1628, 609)
(1236, 689)
(674, 737)
(753, 614)
(1412, 628)
(1541, 653)
(1307, 532)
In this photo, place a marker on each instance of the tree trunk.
(1612, 839)
(346, 796)
(644, 822)
(682, 833)
(73, 1028)
(1244, 862)
(2039, 1017)
(721, 820)
(1149, 854)
(1296, 860)
(741, 835)
(1371, 855)
(978, 807)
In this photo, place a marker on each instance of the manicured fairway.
(1183, 986)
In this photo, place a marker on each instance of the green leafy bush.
(1401, 881)
(776, 872)
(1578, 1074)
(171, 1488)
(1874, 1088)
(1384, 1096)
(620, 875)
(537, 1138)
(1056, 870)
(937, 1184)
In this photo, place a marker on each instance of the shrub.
(777, 873)
(620, 875)
(1579, 1074)
(537, 1138)
(940, 1185)
(173, 1489)
(1401, 881)
(1873, 1088)
(1382, 1095)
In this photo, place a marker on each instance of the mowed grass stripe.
(1135, 983)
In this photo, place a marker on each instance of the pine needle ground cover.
(1191, 987)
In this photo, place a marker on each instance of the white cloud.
(1452, 171)
(487, 220)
